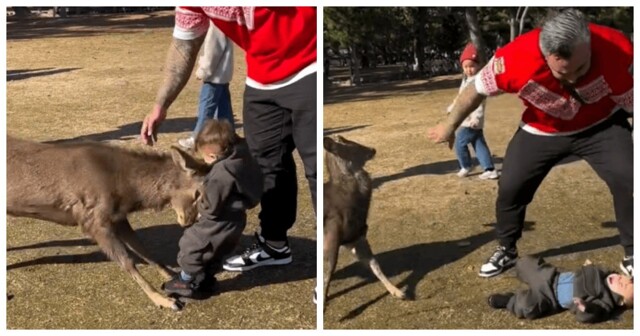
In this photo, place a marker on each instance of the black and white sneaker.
(259, 254)
(627, 266)
(500, 261)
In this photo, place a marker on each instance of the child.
(233, 185)
(590, 293)
(470, 131)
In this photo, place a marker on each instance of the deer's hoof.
(177, 306)
(400, 294)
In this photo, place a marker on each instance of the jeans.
(215, 103)
(475, 137)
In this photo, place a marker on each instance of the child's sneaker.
(499, 301)
(463, 172)
(501, 260)
(627, 266)
(489, 175)
(259, 254)
(178, 287)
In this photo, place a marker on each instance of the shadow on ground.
(336, 95)
(162, 243)
(422, 259)
(434, 168)
(445, 167)
(338, 130)
(15, 75)
(86, 25)
(132, 130)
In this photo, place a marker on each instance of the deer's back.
(47, 180)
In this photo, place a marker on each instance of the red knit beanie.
(469, 53)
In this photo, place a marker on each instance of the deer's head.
(346, 155)
(185, 197)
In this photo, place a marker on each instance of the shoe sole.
(498, 271)
(625, 270)
(274, 262)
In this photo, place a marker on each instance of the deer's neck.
(359, 180)
(363, 181)
(155, 189)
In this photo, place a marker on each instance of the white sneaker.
(464, 172)
(187, 143)
(489, 175)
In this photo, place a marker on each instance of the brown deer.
(95, 186)
(347, 196)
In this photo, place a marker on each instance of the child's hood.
(593, 283)
(245, 171)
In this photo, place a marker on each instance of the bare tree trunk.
(60, 11)
(354, 66)
(326, 65)
(22, 11)
(421, 33)
(522, 17)
(513, 21)
(471, 15)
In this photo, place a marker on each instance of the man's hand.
(442, 133)
(181, 58)
(151, 123)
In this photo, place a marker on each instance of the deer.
(95, 186)
(347, 198)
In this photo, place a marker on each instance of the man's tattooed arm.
(178, 66)
(467, 101)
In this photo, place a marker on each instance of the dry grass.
(432, 230)
(95, 79)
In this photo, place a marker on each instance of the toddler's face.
(210, 153)
(470, 68)
(621, 285)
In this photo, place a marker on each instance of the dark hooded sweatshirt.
(589, 284)
(233, 185)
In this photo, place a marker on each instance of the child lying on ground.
(590, 293)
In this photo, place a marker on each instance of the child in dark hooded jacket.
(233, 185)
(591, 293)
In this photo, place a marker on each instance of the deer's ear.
(188, 162)
(328, 143)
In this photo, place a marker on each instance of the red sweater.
(519, 67)
(279, 41)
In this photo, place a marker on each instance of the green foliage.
(394, 34)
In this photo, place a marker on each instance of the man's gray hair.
(562, 31)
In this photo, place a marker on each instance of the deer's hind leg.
(129, 236)
(116, 250)
(331, 250)
(361, 249)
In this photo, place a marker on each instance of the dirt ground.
(95, 78)
(432, 230)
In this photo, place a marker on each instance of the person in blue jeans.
(215, 69)
(470, 131)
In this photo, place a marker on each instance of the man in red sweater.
(279, 109)
(576, 82)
